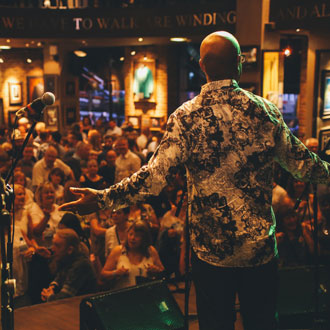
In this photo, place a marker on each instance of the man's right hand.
(86, 204)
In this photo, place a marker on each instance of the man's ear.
(201, 64)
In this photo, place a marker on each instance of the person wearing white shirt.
(127, 162)
(42, 168)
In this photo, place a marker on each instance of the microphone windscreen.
(48, 98)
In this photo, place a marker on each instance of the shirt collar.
(218, 84)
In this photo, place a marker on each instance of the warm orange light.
(287, 51)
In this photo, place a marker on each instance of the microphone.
(34, 109)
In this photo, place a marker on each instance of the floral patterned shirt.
(228, 140)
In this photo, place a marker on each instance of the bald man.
(228, 140)
(42, 168)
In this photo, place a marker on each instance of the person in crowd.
(292, 247)
(323, 227)
(45, 214)
(108, 170)
(95, 139)
(73, 221)
(56, 140)
(301, 195)
(170, 237)
(99, 222)
(142, 139)
(19, 178)
(228, 139)
(135, 149)
(279, 194)
(23, 247)
(26, 163)
(93, 154)
(86, 125)
(42, 167)
(44, 143)
(39, 127)
(73, 138)
(4, 162)
(107, 145)
(116, 234)
(92, 179)
(144, 211)
(79, 159)
(57, 177)
(74, 275)
(127, 162)
(23, 125)
(134, 259)
(113, 129)
(312, 144)
(100, 125)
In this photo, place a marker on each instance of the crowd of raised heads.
(58, 254)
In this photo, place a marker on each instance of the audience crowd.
(58, 255)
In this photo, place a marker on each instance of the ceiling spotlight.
(140, 39)
(39, 44)
(298, 30)
(122, 58)
(80, 53)
(8, 40)
(178, 39)
(28, 60)
(287, 51)
(133, 52)
(27, 45)
(1, 60)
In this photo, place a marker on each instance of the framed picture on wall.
(15, 93)
(156, 123)
(51, 116)
(70, 88)
(70, 115)
(325, 95)
(144, 82)
(11, 118)
(35, 87)
(324, 137)
(250, 54)
(135, 121)
(51, 81)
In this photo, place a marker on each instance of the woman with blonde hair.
(133, 261)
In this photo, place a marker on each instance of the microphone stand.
(7, 198)
(318, 321)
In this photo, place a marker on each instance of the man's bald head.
(219, 54)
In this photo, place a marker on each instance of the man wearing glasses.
(228, 140)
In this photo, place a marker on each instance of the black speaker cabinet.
(296, 297)
(147, 306)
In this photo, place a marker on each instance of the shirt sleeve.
(295, 157)
(152, 178)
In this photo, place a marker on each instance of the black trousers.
(216, 289)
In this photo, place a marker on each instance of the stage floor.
(64, 314)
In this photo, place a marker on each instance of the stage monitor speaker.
(296, 296)
(147, 306)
